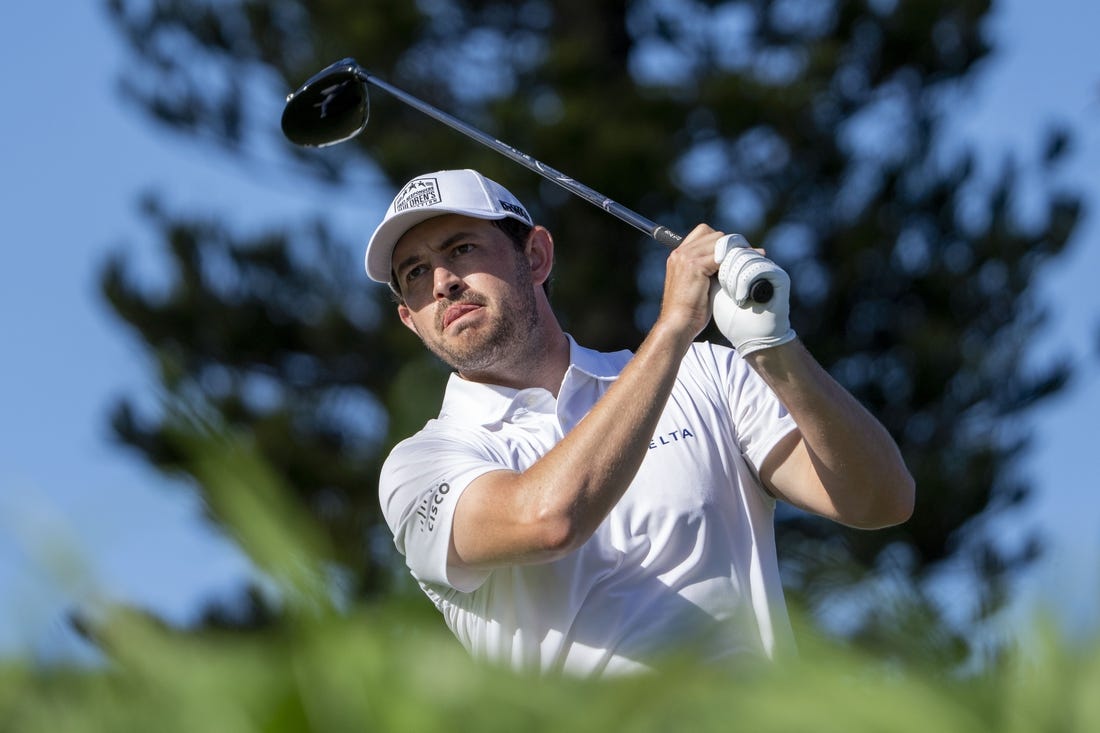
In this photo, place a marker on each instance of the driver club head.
(330, 107)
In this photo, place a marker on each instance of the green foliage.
(813, 128)
(388, 667)
(357, 672)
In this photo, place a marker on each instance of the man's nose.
(447, 283)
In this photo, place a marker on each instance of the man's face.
(468, 291)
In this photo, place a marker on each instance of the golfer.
(586, 513)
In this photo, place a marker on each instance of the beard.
(505, 340)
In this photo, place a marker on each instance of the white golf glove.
(748, 325)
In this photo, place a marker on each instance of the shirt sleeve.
(760, 420)
(421, 482)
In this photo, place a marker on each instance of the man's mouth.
(456, 311)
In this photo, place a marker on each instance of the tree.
(813, 128)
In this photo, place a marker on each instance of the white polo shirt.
(684, 563)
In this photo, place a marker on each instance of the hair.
(516, 231)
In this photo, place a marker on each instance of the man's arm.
(845, 466)
(553, 507)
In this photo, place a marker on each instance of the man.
(588, 513)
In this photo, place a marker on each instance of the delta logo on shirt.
(673, 436)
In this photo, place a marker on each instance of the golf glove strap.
(748, 325)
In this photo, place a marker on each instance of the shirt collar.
(486, 404)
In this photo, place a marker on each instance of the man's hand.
(689, 272)
(749, 326)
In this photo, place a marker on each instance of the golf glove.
(748, 325)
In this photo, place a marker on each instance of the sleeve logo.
(428, 509)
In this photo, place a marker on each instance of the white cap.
(465, 192)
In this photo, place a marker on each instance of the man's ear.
(405, 315)
(540, 253)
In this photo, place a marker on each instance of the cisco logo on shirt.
(428, 510)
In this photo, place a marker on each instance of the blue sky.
(80, 519)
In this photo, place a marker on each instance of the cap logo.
(417, 193)
(517, 210)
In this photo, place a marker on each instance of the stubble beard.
(507, 339)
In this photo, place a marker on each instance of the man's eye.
(461, 249)
(415, 272)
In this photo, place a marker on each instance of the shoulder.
(713, 361)
(440, 438)
(721, 375)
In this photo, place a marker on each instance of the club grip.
(666, 236)
(761, 291)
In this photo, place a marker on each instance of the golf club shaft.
(326, 111)
(662, 234)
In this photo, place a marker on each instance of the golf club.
(333, 106)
